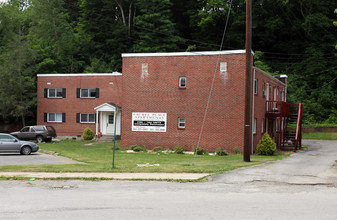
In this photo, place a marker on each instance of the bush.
(237, 151)
(266, 146)
(138, 148)
(179, 149)
(200, 151)
(158, 149)
(88, 134)
(221, 152)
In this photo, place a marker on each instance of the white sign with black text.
(149, 122)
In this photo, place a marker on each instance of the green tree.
(52, 37)
(17, 81)
(155, 30)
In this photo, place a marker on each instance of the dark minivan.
(39, 133)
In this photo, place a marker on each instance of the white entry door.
(108, 123)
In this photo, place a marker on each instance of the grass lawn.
(320, 136)
(98, 158)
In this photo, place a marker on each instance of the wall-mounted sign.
(150, 122)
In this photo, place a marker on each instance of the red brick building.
(175, 87)
(161, 101)
(73, 102)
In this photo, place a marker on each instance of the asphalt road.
(299, 187)
(33, 159)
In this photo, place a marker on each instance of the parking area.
(33, 159)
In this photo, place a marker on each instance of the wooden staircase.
(292, 133)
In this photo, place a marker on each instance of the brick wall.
(260, 104)
(157, 91)
(71, 105)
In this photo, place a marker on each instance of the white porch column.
(96, 122)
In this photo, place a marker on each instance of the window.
(25, 129)
(87, 118)
(56, 117)
(6, 138)
(181, 123)
(55, 93)
(254, 126)
(255, 87)
(182, 82)
(282, 95)
(88, 93)
(262, 126)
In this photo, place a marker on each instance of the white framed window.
(55, 117)
(88, 93)
(87, 118)
(262, 126)
(181, 123)
(182, 82)
(254, 126)
(55, 93)
(263, 89)
(255, 87)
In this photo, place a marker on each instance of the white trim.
(181, 78)
(80, 74)
(86, 97)
(182, 122)
(174, 54)
(87, 122)
(55, 117)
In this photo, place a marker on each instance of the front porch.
(108, 117)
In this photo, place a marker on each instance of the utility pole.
(248, 121)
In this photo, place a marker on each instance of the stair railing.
(298, 127)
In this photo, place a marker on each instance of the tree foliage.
(297, 38)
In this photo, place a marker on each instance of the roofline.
(172, 54)
(270, 76)
(80, 74)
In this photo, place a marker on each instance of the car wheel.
(26, 150)
(39, 139)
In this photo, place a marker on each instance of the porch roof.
(106, 107)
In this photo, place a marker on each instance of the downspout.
(254, 125)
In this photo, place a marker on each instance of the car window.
(32, 130)
(6, 138)
(25, 129)
(39, 128)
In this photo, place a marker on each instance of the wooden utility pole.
(248, 121)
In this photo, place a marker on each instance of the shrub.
(158, 149)
(179, 149)
(200, 151)
(88, 134)
(237, 151)
(221, 152)
(138, 148)
(266, 146)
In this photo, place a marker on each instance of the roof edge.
(80, 74)
(270, 76)
(171, 54)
